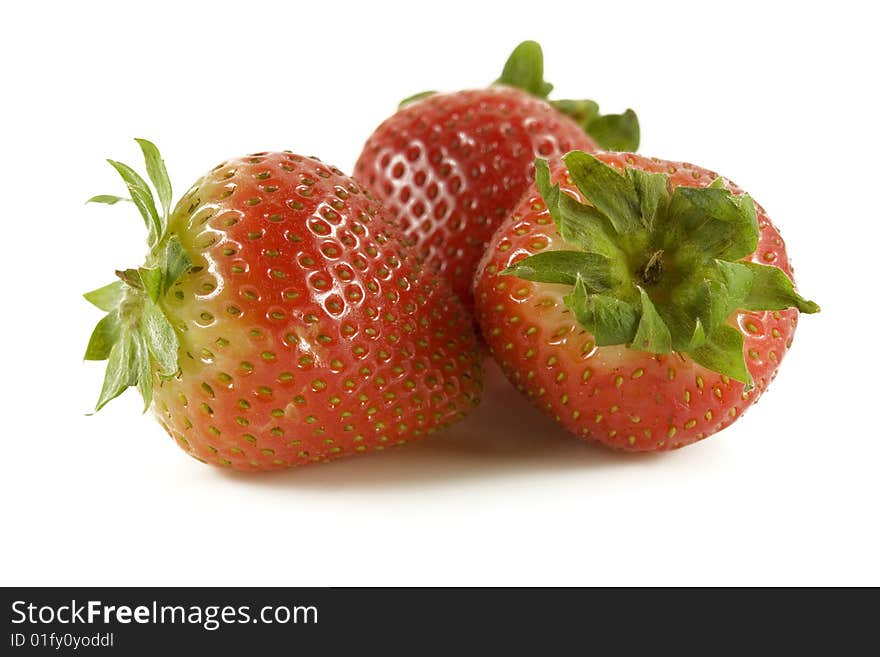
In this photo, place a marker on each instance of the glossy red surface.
(307, 332)
(451, 167)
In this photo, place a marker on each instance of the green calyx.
(135, 336)
(656, 268)
(613, 132)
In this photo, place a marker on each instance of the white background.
(779, 97)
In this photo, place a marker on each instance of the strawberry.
(451, 166)
(644, 304)
(278, 321)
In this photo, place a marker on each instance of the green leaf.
(722, 352)
(158, 174)
(104, 336)
(611, 193)
(653, 193)
(524, 70)
(106, 298)
(566, 267)
(616, 132)
(131, 277)
(108, 199)
(161, 338)
(144, 369)
(142, 198)
(580, 225)
(652, 333)
(152, 280)
(612, 132)
(610, 320)
(685, 329)
(120, 370)
(542, 179)
(698, 336)
(713, 222)
(415, 97)
(724, 287)
(581, 111)
(177, 261)
(585, 227)
(708, 296)
(773, 290)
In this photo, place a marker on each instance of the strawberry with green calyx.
(643, 303)
(279, 321)
(451, 166)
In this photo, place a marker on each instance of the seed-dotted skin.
(627, 399)
(307, 333)
(451, 167)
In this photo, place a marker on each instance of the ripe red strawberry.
(277, 320)
(451, 166)
(641, 303)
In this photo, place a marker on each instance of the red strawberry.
(277, 320)
(642, 303)
(451, 166)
